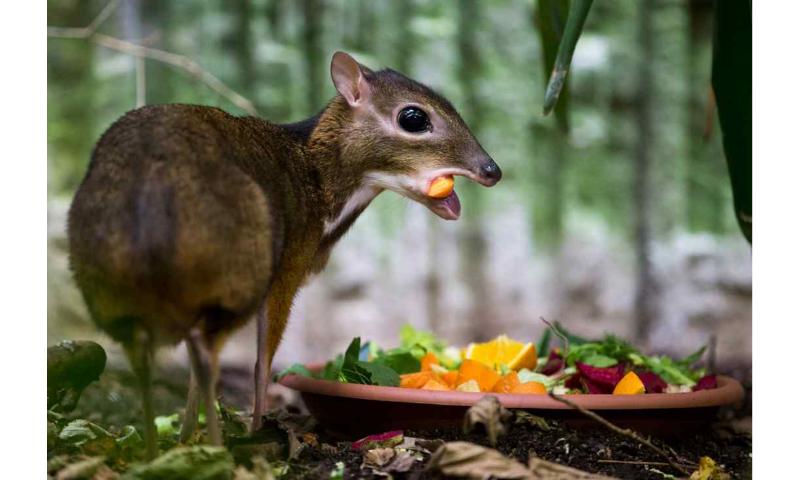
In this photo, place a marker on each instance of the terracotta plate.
(350, 409)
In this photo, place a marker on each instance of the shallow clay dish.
(349, 409)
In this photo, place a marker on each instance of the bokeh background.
(617, 219)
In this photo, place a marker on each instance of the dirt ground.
(113, 401)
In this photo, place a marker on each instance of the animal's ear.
(349, 78)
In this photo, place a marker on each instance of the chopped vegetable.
(472, 370)
(707, 382)
(507, 383)
(441, 187)
(629, 385)
(530, 387)
(507, 366)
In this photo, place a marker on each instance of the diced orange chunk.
(427, 360)
(434, 384)
(474, 370)
(450, 378)
(507, 383)
(530, 387)
(416, 380)
(441, 187)
(630, 384)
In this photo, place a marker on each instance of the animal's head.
(415, 136)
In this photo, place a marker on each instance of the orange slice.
(469, 386)
(474, 370)
(507, 383)
(530, 387)
(435, 385)
(503, 350)
(441, 187)
(630, 384)
(427, 360)
(416, 380)
(450, 378)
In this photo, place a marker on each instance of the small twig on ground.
(558, 334)
(624, 432)
(635, 462)
(140, 51)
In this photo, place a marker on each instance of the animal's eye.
(414, 120)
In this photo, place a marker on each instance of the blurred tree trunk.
(644, 303)
(243, 47)
(313, 13)
(71, 95)
(275, 12)
(159, 20)
(550, 142)
(705, 199)
(473, 247)
(365, 33)
(403, 41)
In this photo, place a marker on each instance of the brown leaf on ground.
(388, 460)
(544, 470)
(467, 460)
(489, 412)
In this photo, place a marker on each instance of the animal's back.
(166, 229)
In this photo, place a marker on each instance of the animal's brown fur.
(189, 217)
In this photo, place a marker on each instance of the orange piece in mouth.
(441, 187)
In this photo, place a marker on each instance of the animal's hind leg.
(140, 355)
(261, 370)
(272, 320)
(204, 371)
(192, 407)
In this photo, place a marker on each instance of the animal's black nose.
(491, 171)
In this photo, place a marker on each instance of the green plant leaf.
(600, 360)
(186, 463)
(550, 18)
(399, 360)
(294, 369)
(578, 12)
(380, 374)
(410, 337)
(543, 347)
(731, 77)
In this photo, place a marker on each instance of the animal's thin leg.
(261, 370)
(200, 356)
(192, 406)
(141, 357)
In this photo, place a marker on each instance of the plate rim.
(729, 391)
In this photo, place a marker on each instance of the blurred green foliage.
(489, 62)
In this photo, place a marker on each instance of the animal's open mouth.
(448, 207)
(443, 200)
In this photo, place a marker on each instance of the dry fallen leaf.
(388, 460)
(489, 412)
(709, 470)
(544, 470)
(467, 460)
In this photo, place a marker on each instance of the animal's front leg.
(272, 318)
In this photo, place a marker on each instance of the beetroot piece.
(574, 382)
(555, 363)
(386, 439)
(706, 383)
(594, 387)
(608, 376)
(653, 383)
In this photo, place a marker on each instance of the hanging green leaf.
(550, 18)
(731, 72)
(578, 12)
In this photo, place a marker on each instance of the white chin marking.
(357, 201)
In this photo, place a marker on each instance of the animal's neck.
(341, 173)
